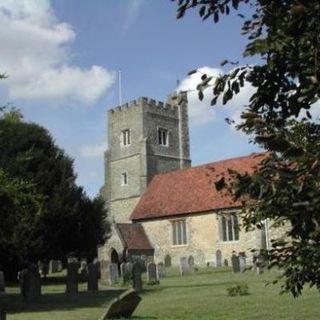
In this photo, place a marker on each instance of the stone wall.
(203, 240)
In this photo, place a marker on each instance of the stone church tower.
(145, 138)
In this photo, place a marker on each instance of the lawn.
(202, 295)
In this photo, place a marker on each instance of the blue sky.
(62, 58)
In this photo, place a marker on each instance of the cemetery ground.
(201, 295)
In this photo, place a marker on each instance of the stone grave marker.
(97, 263)
(218, 258)
(2, 282)
(152, 273)
(83, 276)
(113, 273)
(123, 306)
(72, 277)
(242, 261)
(191, 263)
(167, 261)
(53, 266)
(161, 270)
(258, 263)
(184, 266)
(59, 266)
(104, 271)
(235, 263)
(126, 272)
(136, 276)
(93, 276)
(31, 283)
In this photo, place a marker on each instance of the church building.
(160, 207)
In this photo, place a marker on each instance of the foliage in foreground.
(285, 35)
(44, 213)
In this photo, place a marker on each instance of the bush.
(240, 289)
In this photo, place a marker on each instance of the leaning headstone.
(104, 271)
(235, 263)
(242, 261)
(113, 273)
(161, 270)
(184, 266)
(136, 277)
(93, 275)
(123, 306)
(167, 261)
(31, 283)
(152, 273)
(2, 282)
(72, 278)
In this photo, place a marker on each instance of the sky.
(63, 57)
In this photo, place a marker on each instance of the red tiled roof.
(133, 236)
(192, 190)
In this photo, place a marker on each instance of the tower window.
(163, 138)
(124, 178)
(179, 232)
(126, 139)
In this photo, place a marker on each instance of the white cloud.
(94, 151)
(201, 112)
(36, 57)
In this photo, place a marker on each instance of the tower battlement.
(146, 103)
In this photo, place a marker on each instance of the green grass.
(202, 295)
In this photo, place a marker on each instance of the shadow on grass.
(14, 302)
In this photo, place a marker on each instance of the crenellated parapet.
(145, 102)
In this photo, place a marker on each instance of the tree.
(47, 214)
(285, 189)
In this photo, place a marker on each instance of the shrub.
(240, 289)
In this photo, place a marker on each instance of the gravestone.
(2, 282)
(83, 276)
(184, 266)
(113, 273)
(161, 270)
(59, 266)
(191, 263)
(93, 275)
(104, 271)
(167, 261)
(72, 277)
(136, 277)
(258, 263)
(242, 261)
(218, 258)
(53, 266)
(226, 262)
(31, 283)
(152, 273)
(44, 268)
(123, 306)
(235, 263)
(126, 272)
